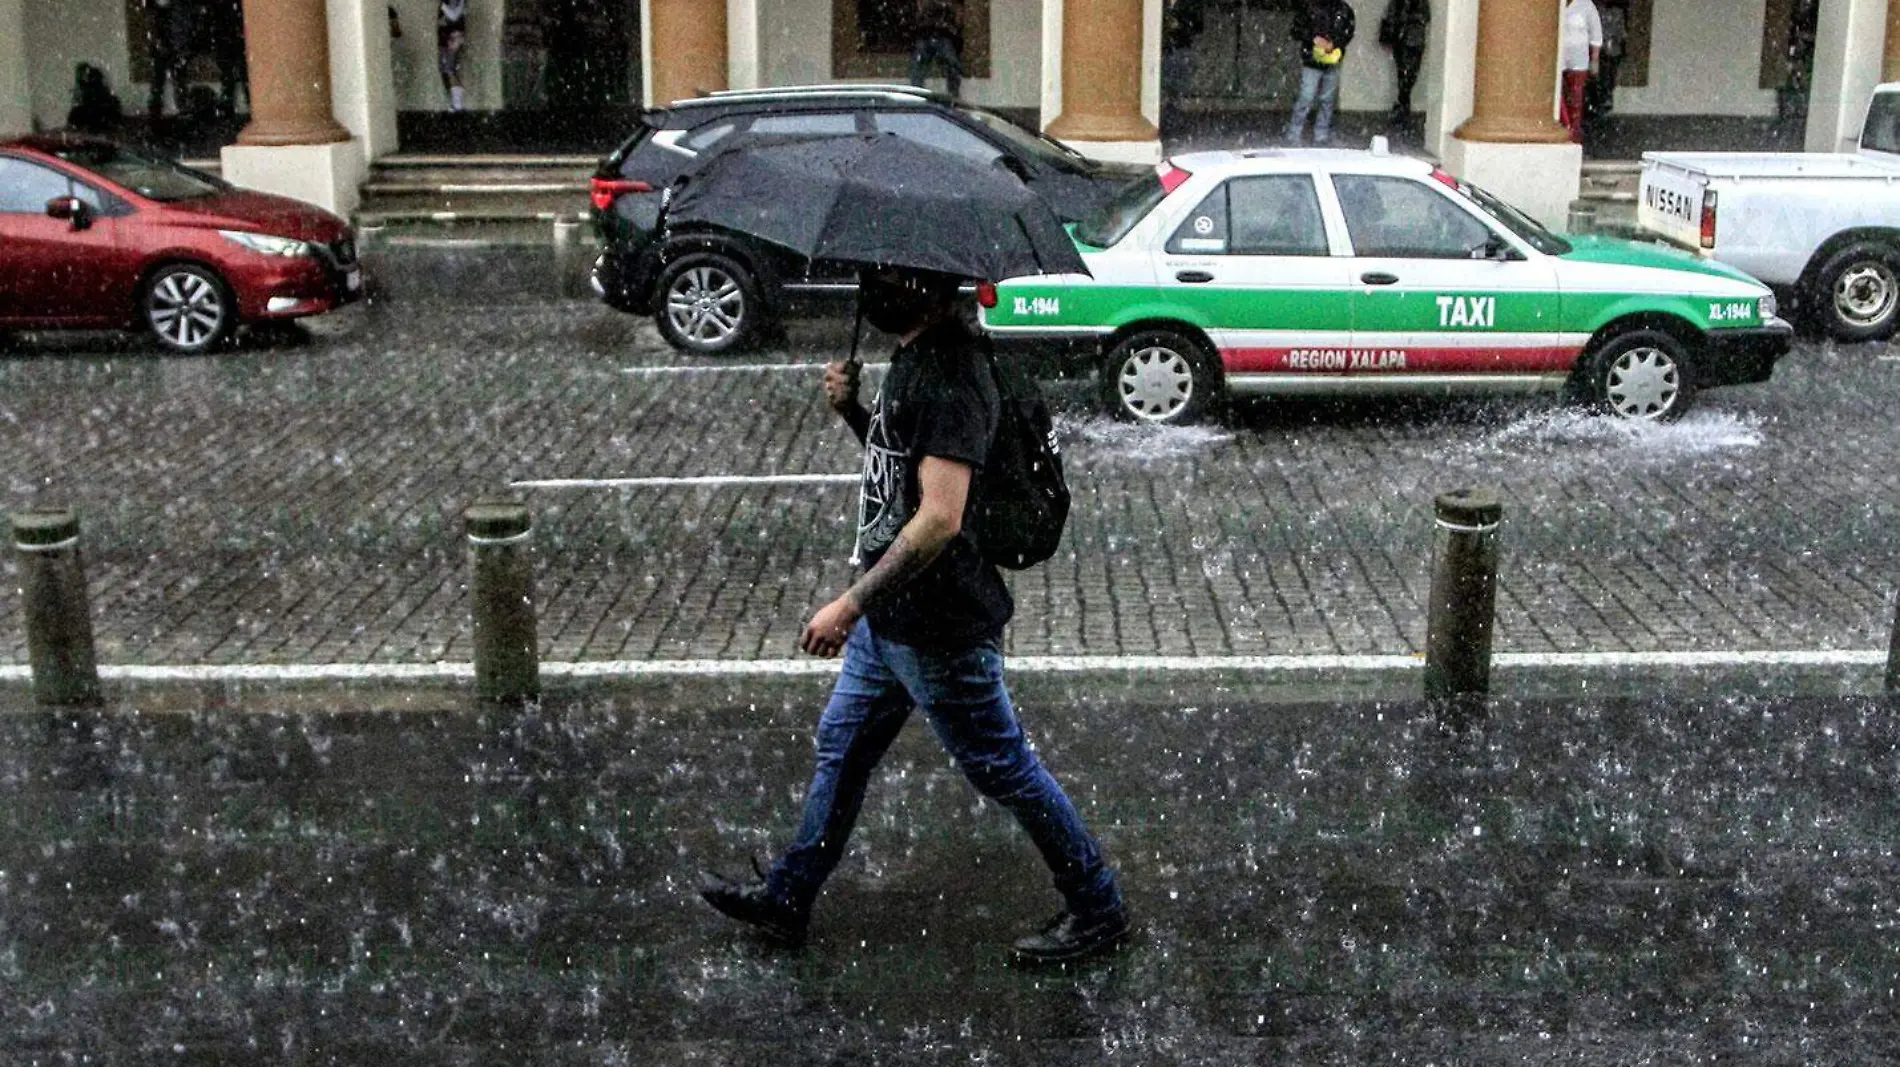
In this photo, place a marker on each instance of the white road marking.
(703, 668)
(732, 368)
(695, 481)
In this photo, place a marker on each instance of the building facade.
(328, 78)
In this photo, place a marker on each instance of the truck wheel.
(1642, 374)
(1160, 376)
(1857, 292)
(709, 304)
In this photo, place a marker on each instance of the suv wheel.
(709, 304)
(188, 308)
(1857, 292)
(1642, 375)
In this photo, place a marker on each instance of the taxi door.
(1252, 265)
(1439, 290)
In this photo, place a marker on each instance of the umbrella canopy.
(878, 200)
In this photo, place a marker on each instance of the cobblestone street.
(298, 501)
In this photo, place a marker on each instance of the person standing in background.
(1322, 29)
(939, 42)
(451, 34)
(1582, 51)
(169, 31)
(1181, 23)
(1602, 94)
(225, 23)
(1403, 30)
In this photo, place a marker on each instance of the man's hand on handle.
(841, 385)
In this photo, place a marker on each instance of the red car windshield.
(152, 178)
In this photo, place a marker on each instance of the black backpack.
(1023, 502)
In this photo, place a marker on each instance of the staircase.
(490, 198)
(1609, 190)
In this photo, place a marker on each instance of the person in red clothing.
(1582, 51)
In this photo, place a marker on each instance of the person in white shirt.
(1582, 51)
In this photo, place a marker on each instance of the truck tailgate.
(1669, 200)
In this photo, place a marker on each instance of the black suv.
(713, 291)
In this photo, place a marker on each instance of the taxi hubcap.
(186, 309)
(706, 305)
(1643, 383)
(1865, 293)
(1156, 383)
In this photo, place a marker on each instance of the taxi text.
(1345, 359)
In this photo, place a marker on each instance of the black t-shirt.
(938, 399)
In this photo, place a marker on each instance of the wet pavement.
(298, 500)
(226, 876)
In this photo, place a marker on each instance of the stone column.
(1850, 44)
(288, 45)
(1890, 69)
(1513, 144)
(686, 50)
(294, 146)
(16, 91)
(1101, 63)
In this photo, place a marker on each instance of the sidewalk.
(259, 875)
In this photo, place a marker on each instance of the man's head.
(898, 300)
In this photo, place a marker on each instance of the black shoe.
(752, 904)
(1066, 939)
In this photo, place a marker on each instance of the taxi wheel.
(188, 308)
(1159, 376)
(709, 304)
(1857, 292)
(1642, 375)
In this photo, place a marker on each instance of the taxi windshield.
(1516, 221)
(1130, 204)
(1882, 133)
(152, 178)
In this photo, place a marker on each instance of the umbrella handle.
(857, 329)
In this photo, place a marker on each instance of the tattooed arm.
(939, 518)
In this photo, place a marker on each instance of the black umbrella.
(878, 200)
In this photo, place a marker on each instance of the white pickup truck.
(1824, 229)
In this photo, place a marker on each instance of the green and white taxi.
(1314, 271)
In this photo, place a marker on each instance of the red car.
(97, 236)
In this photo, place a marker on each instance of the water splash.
(1109, 441)
(1702, 433)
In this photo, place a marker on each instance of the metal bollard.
(507, 664)
(1583, 218)
(1464, 593)
(567, 244)
(58, 612)
(370, 237)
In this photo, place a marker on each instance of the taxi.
(1319, 271)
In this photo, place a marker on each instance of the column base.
(1539, 179)
(327, 175)
(1118, 151)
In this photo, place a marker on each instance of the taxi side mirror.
(71, 209)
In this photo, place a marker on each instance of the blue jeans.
(963, 696)
(940, 50)
(1320, 85)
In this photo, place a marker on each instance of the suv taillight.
(607, 190)
(1708, 218)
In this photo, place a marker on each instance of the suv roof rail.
(888, 92)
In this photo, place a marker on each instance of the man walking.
(1582, 50)
(922, 628)
(1323, 29)
(1403, 31)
